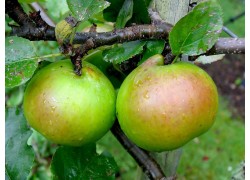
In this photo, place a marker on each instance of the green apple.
(69, 109)
(162, 107)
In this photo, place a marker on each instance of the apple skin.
(162, 107)
(69, 109)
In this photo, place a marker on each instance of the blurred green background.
(215, 155)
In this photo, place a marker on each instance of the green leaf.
(85, 9)
(62, 10)
(82, 163)
(30, 1)
(17, 48)
(140, 12)
(152, 47)
(125, 14)
(123, 52)
(19, 156)
(139, 15)
(20, 61)
(111, 13)
(198, 31)
(15, 97)
(20, 72)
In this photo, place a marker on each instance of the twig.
(155, 17)
(29, 30)
(228, 46)
(31, 27)
(36, 6)
(223, 45)
(16, 12)
(148, 164)
(161, 31)
(127, 34)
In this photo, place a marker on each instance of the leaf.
(82, 163)
(17, 48)
(123, 52)
(152, 47)
(85, 9)
(125, 14)
(20, 72)
(15, 98)
(30, 1)
(140, 12)
(111, 13)
(209, 59)
(20, 61)
(19, 156)
(198, 31)
(62, 10)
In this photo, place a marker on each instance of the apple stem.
(78, 53)
(175, 59)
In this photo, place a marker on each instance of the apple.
(69, 109)
(162, 107)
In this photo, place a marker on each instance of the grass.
(232, 8)
(213, 155)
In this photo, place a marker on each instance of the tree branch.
(228, 46)
(127, 34)
(16, 12)
(148, 164)
(222, 46)
(34, 34)
(32, 27)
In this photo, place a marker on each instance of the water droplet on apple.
(138, 83)
(148, 78)
(146, 96)
(53, 109)
(53, 99)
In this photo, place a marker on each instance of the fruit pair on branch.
(159, 107)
